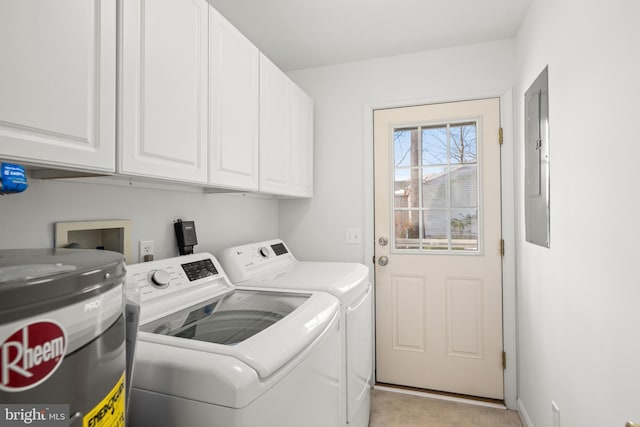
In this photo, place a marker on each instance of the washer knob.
(264, 251)
(159, 278)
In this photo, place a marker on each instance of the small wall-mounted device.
(186, 236)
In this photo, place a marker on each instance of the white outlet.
(146, 248)
(353, 236)
(555, 414)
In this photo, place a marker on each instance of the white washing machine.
(270, 264)
(210, 354)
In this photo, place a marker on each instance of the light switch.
(353, 236)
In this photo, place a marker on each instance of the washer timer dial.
(159, 278)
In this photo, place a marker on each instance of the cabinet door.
(57, 83)
(234, 106)
(301, 143)
(163, 112)
(275, 130)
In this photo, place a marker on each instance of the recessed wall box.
(111, 235)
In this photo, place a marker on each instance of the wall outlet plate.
(146, 249)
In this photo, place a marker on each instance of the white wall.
(344, 96)
(315, 228)
(221, 220)
(578, 323)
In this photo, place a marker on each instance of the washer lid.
(267, 351)
(40, 280)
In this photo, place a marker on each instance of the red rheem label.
(31, 354)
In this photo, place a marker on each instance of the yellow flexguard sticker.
(110, 411)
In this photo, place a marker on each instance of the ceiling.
(297, 34)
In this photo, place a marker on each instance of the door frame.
(507, 163)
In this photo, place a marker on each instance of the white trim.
(440, 397)
(508, 218)
(522, 413)
(509, 260)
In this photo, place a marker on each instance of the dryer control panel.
(246, 262)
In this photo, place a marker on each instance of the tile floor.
(390, 409)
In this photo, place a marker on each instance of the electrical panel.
(536, 146)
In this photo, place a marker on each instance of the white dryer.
(270, 264)
(210, 354)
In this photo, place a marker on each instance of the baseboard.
(522, 413)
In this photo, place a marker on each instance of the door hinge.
(500, 138)
(501, 247)
(504, 360)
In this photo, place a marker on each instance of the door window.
(436, 193)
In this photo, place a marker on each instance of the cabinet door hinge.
(504, 360)
(501, 247)
(500, 138)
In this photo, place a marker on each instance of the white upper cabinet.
(275, 132)
(286, 134)
(302, 143)
(234, 107)
(163, 89)
(57, 83)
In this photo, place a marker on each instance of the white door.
(438, 228)
(301, 142)
(275, 129)
(286, 134)
(164, 82)
(234, 106)
(57, 83)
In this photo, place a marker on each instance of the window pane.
(434, 145)
(464, 229)
(464, 186)
(434, 187)
(407, 229)
(405, 147)
(407, 188)
(464, 143)
(435, 230)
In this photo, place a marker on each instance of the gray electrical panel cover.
(536, 154)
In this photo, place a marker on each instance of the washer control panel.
(182, 274)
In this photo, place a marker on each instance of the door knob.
(382, 261)
(630, 424)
